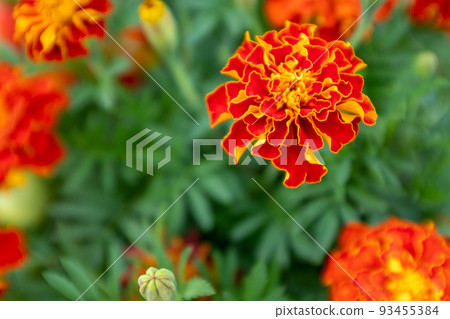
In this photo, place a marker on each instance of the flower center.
(292, 92)
(409, 284)
(60, 11)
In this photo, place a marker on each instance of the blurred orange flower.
(292, 91)
(385, 10)
(29, 107)
(334, 18)
(397, 260)
(435, 12)
(55, 29)
(134, 40)
(12, 254)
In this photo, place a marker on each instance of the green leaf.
(201, 209)
(78, 276)
(247, 227)
(326, 228)
(255, 282)
(197, 287)
(62, 285)
(182, 264)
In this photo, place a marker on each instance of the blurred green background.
(96, 206)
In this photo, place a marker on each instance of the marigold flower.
(29, 107)
(55, 29)
(397, 260)
(436, 12)
(292, 91)
(12, 253)
(335, 18)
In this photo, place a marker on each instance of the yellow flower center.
(151, 11)
(293, 89)
(407, 284)
(60, 11)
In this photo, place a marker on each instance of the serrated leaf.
(196, 288)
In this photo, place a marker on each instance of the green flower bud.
(426, 63)
(159, 26)
(24, 205)
(158, 285)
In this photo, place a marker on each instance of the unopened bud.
(159, 26)
(426, 63)
(158, 285)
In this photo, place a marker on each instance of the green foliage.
(99, 207)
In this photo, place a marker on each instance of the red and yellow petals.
(308, 134)
(336, 132)
(397, 260)
(364, 110)
(31, 106)
(300, 165)
(256, 125)
(53, 30)
(238, 137)
(292, 86)
(217, 103)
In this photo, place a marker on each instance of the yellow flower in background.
(55, 29)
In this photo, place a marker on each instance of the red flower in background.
(56, 29)
(385, 10)
(12, 254)
(291, 92)
(335, 18)
(397, 260)
(7, 24)
(435, 12)
(29, 107)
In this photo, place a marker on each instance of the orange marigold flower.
(12, 254)
(292, 91)
(436, 12)
(335, 18)
(55, 29)
(397, 261)
(29, 107)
